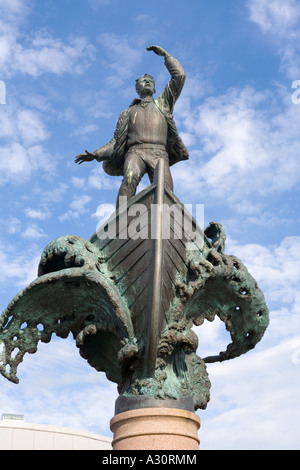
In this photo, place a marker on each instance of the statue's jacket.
(114, 152)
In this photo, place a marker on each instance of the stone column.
(155, 429)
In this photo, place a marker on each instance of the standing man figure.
(145, 132)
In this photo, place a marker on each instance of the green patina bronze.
(131, 302)
(99, 291)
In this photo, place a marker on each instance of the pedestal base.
(155, 429)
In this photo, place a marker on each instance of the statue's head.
(145, 85)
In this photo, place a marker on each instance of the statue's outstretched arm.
(103, 153)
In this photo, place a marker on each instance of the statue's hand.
(158, 50)
(85, 157)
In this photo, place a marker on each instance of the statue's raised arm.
(158, 50)
(173, 89)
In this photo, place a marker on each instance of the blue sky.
(69, 69)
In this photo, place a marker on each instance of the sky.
(67, 70)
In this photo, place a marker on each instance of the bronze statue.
(145, 132)
(131, 302)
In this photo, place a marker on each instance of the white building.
(15, 434)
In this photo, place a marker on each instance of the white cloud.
(212, 337)
(276, 268)
(77, 208)
(280, 20)
(16, 268)
(259, 390)
(254, 392)
(41, 214)
(188, 138)
(290, 61)
(13, 225)
(97, 104)
(96, 4)
(248, 146)
(78, 182)
(84, 130)
(7, 121)
(40, 53)
(30, 127)
(51, 55)
(124, 55)
(79, 202)
(17, 163)
(99, 180)
(247, 139)
(19, 124)
(21, 153)
(54, 195)
(58, 386)
(145, 18)
(275, 16)
(13, 9)
(33, 232)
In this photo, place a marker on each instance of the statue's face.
(145, 86)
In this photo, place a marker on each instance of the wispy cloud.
(50, 55)
(280, 21)
(276, 268)
(99, 180)
(96, 4)
(78, 207)
(56, 385)
(22, 124)
(13, 225)
(278, 17)
(19, 269)
(42, 53)
(17, 163)
(22, 152)
(245, 140)
(123, 55)
(40, 214)
(260, 379)
(247, 145)
(33, 232)
(30, 127)
(251, 383)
